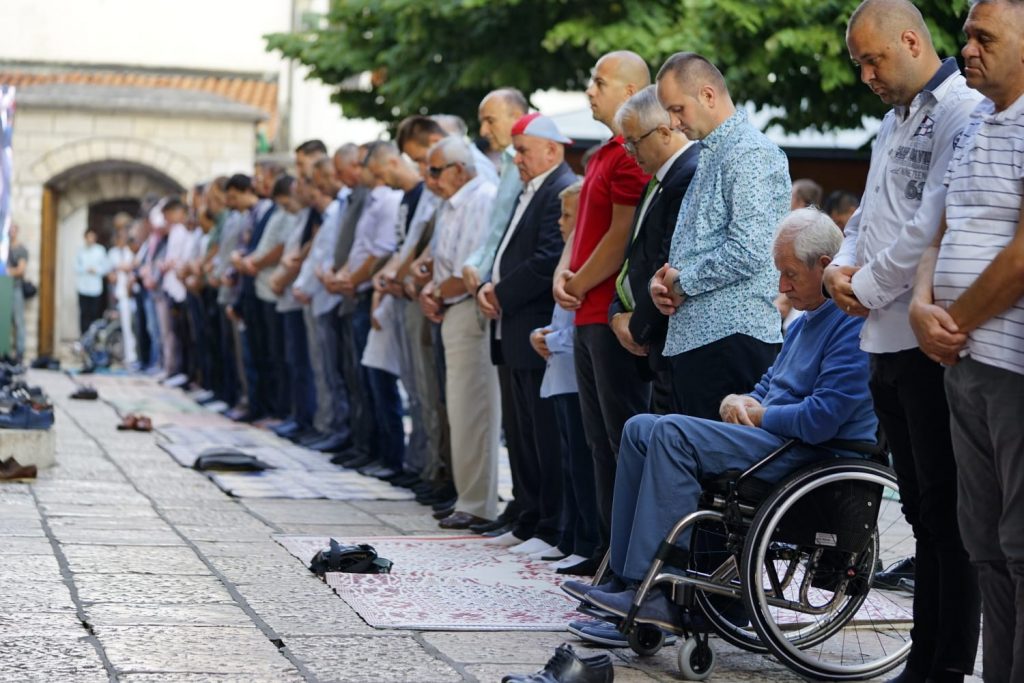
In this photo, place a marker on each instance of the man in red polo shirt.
(610, 390)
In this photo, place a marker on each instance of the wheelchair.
(786, 568)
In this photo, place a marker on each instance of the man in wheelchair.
(816, 391)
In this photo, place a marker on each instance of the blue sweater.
(817, 389)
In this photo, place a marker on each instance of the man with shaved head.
(873, 276)
(610, 390)
(719, 285)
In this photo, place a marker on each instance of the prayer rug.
(448, 584)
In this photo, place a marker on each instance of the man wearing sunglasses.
(471, 382)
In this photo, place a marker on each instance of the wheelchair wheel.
(646, 640)
(726, 614)
(807, 566)
(696, 659)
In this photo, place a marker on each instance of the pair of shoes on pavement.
(22, 415)
(616, 598)
(568, 667)
(12, 470)
(895, 573)
(135, 423)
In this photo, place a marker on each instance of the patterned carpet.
(449, 584)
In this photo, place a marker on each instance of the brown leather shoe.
(12, 470)
(460, 520)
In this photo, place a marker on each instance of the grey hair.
(645, 109)
(573, 190)
(346, 151)
(455, 125)
(812, 233)
(455, 150)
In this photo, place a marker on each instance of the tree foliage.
(444, 55)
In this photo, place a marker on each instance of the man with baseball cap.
(517, 298)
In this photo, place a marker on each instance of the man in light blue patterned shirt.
(719, 283)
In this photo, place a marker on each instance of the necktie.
(625, 292)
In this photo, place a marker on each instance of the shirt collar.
(663, 171)
(465, 192)
(343, 193)
(535, 183)
(725, 130)
(946, 69)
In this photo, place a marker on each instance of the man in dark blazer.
(518, 300)
(671, 160)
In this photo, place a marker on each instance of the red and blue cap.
(540, 126)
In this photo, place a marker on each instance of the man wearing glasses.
(471, 382)
(671, 159)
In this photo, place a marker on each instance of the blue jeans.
(662, 460)
(152, 328)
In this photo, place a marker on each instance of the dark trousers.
(387, 434)
(579, 509)
(211, 356)
(611, 392)
(702, 377)
(300, 372)
(143, 344)
(541, 465)
(230, 380)
(662, 395)
(910, 401)
(180, 328)
(279, 383)
(90, 309)
(259, 370)
(197, 356)
(515, 447)
(987, 405)
(349, 356)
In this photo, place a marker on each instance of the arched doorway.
(83, 196)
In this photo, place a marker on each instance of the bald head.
(512, 98)
(628, 68)
(616, 77)
(891, 17)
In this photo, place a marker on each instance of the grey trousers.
(986, 410)
(324, 409)
(437, 466)
(474, 409)
(408, 323)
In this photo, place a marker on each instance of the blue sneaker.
(580, 589)
(604, 633)
(656, 609)
(22, 416)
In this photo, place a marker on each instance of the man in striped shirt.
(968, 313)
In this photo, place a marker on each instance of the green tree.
(443, 56)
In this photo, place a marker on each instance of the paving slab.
(185, 649)
(113, 614)
(131, 559)
(362, 659)
(35, 658)
(141, 589)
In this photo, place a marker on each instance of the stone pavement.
(118, 564)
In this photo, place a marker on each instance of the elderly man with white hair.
(471, 382)
(816, 391)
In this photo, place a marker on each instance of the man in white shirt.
(90, 266)
(974, 324)
(872, 276)
(175, 339)
(473, 402)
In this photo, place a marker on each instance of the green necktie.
(622, 282)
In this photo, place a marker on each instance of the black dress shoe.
(500, 531)
(360, 462)
(890, 578)
(908, 675)
(459, 520)
(444, 504)
(489, 526)
(568, 667)
(584, 568)
(443, 513)
(406, 480)
(423, 487)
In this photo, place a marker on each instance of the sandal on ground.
(143, 424)
(128, 422)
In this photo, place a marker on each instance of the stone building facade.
(81, 146)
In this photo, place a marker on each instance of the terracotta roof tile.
(254, 92)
